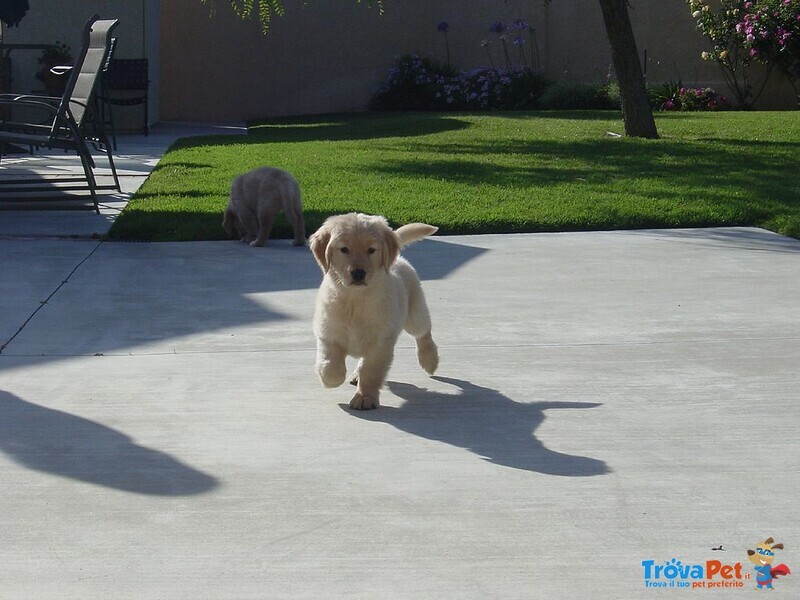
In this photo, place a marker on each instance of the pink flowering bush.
(745, 31)
(771, 30)
(691, 99)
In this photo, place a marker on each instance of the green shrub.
(487, 88)
(577, 96)
(414, 83)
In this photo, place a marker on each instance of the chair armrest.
(9, 97)
(37, 100)
(61, 119)
(48, 103)
(61, 69)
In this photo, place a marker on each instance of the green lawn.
(499, 172)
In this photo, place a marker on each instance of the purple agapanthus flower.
(519, 24)
(443, 26)
(497, 27)
(518, 41)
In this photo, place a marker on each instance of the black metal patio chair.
(35, 121)
(124, 83)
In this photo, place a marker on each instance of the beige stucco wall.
(49, 21)
(330, 55)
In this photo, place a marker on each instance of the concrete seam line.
(44, 302)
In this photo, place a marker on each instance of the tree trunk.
(636, 110)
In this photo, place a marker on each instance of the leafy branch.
(267, 8)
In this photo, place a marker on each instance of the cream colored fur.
(369, 294)
(256, 198)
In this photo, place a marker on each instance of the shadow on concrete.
(66, 445)
(485, 422)
(732, 239)
(118, 300)
(434, 259)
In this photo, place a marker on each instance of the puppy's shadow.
(69, 446)
(485, 422)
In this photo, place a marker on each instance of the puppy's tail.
(408, 234)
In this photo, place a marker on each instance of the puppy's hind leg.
(265, 220)
(418, 324)
(372, 373)
(248, 225)
(294, 214)
(427, 353)
(354, 376)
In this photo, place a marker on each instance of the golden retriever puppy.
(256, 198)
(369, 293)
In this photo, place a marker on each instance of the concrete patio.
(604, 399)
(135, 158)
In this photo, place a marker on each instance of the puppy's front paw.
(331, 373)
(360, 402)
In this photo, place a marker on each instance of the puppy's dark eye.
(371, 251)
(345, 250)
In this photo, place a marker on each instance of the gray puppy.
(256, 198)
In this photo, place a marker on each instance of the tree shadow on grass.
(485, 422)
(332, 128)
(693, 163)
(566, 114)
(689, 182)
(352, 127)
(66, 445)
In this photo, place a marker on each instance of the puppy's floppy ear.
(318, 243)
(391, 248)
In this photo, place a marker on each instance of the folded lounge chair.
(51, 122)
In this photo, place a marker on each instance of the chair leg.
(107, 117)
(111, 164)
(88, 163)
(111, 124)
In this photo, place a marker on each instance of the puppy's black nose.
(358, 275)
